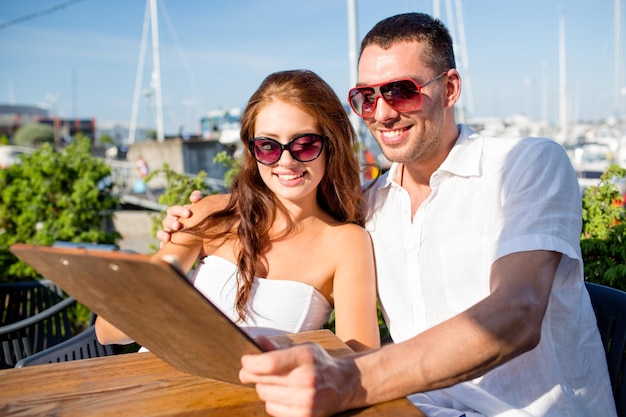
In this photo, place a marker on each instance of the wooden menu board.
(152, 302)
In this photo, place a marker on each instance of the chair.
(21, 300)
(35, 317)
(610, 307)
(82, 346)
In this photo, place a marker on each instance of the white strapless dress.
(275, 307)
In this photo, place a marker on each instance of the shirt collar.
(466, 154)
(463, 160)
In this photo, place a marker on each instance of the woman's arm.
(108, 334)
(354, 290)
(171, 222)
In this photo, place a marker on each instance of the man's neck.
(415, 175)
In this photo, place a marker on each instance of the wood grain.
(141, 384)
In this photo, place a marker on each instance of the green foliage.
(54, 196)
(106, 140)
(33, 135)
(603, 240)
(4, 139)
(229, 162)
(178, 189)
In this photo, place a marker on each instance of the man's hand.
(170, 223)
(300, 381)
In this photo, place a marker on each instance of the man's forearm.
(457, 350)
(500, 327)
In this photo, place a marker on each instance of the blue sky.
(81, 60)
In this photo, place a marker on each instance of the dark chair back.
(82, 346)
(610, 307)
(34, 317)
(21, 300)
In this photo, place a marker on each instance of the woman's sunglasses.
(402, 95)
(303, 148)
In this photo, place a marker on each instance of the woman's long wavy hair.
(252, 207)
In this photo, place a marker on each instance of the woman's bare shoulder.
(354, 240)
(348, 233)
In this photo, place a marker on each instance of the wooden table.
(140, 384)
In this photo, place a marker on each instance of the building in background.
(12, 117)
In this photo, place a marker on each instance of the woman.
(287, 245)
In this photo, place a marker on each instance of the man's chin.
(393, 155)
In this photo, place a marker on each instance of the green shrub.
(50, 196)
(33, 135)
(229, 162)
(603, 239)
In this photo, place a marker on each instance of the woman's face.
(290, 179)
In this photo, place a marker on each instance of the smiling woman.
(267, 250)
(295, 174)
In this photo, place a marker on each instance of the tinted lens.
(402, 95)
(303, 148)
(362, 100)
(266, 151)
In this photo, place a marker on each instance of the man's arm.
(170, 223)
(502, 326)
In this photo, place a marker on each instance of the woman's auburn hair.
(251, 209)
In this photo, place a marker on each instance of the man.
(480, 275)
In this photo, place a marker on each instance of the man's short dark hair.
(415, 27)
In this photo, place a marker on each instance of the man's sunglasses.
(402, 95)
(303, 148)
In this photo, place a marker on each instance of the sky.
(80, 58)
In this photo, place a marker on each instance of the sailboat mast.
(142, 53)
(156, 71)
(617, 56)
(562, 80)
(436, 9)
(353, 59)
(467, 88)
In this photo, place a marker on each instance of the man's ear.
(453, 87)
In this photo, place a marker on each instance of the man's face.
(404, 136)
